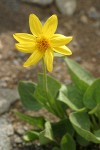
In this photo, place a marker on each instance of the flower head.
(43, 41)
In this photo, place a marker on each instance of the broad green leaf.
(31, 136)
(81, 123)
(48, 97)
(97, 133)
(95, 109)
(34, 121)
(40, 95)
(81, 140)
(62, 127)
(71, 96)
(42, 139)
(91, 97)
(53, 85)
(48, 131)
(26, 92)
(46, 135)
(68, 142)
(80, 76)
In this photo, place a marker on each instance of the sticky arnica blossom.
(43, 42)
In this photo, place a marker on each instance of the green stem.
(52, 107)
(45, 77)
(46, 87)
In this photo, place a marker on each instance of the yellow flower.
(43, 41)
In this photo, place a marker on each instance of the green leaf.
(80, 76)
(62, 127)
(41, 93)
(48, 98)
(34, 121)
(91, 97)
(46, 136)
(42, 139)
(26, 92)
(95, 110)
(53, 85)
(81, 141)
(71, 96)
(97, 133)
(81, 123)
(67, 142)
(31, 136)
(48, 131)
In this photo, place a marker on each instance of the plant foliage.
(82, 97)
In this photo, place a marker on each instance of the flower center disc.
(43, 44)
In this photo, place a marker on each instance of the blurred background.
(77, 18)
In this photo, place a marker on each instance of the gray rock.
(4, 142)
(6, 130)
(66, 7)
(7, 97)
(9, 94)
(93, 13)
(3, 84)
(40, 2)
(4, 105)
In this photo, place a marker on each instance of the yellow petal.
(24, 37)
(34, 58)
(50, 26)
(25, 47)
(63, 50)
(48, 59)
(35, 25)
(60, 40)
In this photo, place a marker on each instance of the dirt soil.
(84, 25)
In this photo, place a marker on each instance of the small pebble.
(17, 139)
(66, 7)
(84, 19)
(20, 130)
